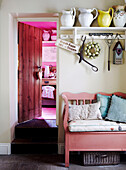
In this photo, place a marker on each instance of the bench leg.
(66, 158)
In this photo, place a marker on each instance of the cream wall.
(73, 76)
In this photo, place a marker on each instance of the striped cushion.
(95, 125)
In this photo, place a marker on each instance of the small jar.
(53, 35)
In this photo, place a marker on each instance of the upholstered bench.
(95, 133)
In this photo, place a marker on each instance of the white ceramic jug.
(46, 35)
(46, 72)
(86, 17)
(119, 18)
(68, 17)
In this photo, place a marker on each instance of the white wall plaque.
(67, 45)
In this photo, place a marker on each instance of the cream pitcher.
(119, 18)
(86, 16)
(68, 17)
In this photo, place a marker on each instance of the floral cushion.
(94, 111)
(82, 112)
(77, 112)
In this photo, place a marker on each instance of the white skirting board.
(60, 148)
(5, 148)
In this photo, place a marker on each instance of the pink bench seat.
(90, 141)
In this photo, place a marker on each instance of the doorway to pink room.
(39, 70)
(36, 120)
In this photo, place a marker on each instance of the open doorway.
(30, 134)
(37, 70)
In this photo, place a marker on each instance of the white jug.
(46, 72)
(119, 18)
(86, 17)
(46, 35)
(68, 17)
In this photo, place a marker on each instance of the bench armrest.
(66, 110)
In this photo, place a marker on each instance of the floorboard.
(49, 162)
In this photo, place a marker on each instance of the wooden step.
(27, 146)
(35, 133)
(37, 129)
(30, 141)
(35, 136)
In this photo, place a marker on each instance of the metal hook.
(82, 38)
(117, 36)
(91, 35)
(92, 39)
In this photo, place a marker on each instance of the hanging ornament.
(118, 53)
(92, 50)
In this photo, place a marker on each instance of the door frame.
(14, 18)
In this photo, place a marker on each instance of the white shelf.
(94, 28)
(75, 30)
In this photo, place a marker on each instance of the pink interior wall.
(43, 25)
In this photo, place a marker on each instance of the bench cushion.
(104, 104)
(87, 111)
(95, 125)
(117, 110)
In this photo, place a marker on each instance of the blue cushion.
(105, 102)
(117, 110)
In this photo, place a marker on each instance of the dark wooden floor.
(49, 162)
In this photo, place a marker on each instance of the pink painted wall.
(43, 25)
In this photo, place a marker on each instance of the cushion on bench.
(87, 111)
(117, 110)
(104, 104)
(95, 125)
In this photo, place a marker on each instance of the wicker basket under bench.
(101, 158)
(90, 141)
